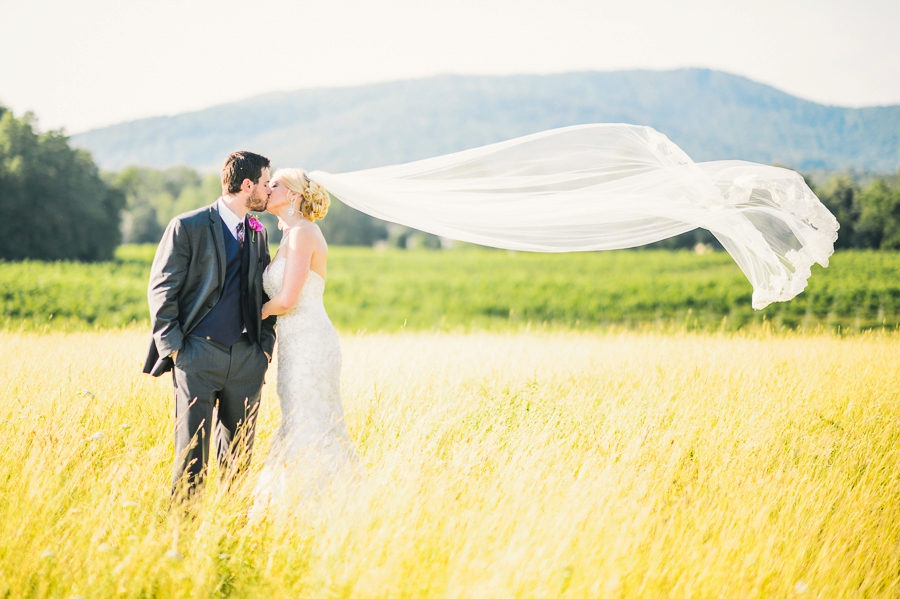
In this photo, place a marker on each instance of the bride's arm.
(300, 247)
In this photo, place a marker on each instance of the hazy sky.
(89, 63)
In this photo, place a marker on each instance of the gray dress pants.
(214, 379)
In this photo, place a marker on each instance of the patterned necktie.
(240, 232)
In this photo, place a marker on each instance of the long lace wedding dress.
(311, 447)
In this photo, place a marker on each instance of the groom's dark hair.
(239, 166)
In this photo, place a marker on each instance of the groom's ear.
(247, 186)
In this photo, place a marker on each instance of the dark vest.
(225, 322)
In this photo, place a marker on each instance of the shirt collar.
(230, 219)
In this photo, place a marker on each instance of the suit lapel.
(254, 251)
(215, 224)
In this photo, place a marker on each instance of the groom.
(206, 300)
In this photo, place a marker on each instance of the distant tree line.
(153, 197)
(54, 202)
(869, 214)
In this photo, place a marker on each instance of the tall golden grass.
(498, 465)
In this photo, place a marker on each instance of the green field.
(474, 288)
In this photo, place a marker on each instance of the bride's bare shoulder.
(320, 235)
(304, 235)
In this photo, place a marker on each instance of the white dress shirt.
(230, 219)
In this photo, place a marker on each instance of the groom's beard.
(257, 202)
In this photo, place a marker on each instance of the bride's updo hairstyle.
(314, 200)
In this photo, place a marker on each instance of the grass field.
(477, 289)
(516, 464)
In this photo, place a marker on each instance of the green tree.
(879, 215)
(141, 220)
(58, 207)
(841, 196)
(155, 197)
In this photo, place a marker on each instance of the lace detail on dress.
(311, 446)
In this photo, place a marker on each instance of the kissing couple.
(215, 296)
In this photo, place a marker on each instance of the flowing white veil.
(604, 187)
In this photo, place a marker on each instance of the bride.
(311, 446)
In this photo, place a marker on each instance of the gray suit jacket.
(186, 281)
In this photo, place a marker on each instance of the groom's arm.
(267, 327)
(167, 277)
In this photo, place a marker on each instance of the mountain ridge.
(712, 115)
